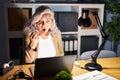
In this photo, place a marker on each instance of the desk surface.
(111, 66)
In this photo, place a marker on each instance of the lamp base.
(93, 66)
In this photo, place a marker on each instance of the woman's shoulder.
(57, 34)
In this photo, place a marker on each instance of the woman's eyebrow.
(38, 22)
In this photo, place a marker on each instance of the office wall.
(2, 35)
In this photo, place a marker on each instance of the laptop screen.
(45, 67)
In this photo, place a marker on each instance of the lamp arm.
(96, 53)
(103, 34)
(104, 38)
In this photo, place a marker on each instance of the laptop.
(49, 67)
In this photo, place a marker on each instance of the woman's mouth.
(43, 29)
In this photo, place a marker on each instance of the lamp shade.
(84, 20)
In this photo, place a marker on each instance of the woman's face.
(44, 25)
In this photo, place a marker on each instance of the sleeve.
(30, 54)
(60, 46)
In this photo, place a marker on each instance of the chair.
(103, 54)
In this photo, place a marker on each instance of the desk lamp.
(84, 21)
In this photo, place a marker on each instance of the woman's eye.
(40, 22)
(47, 21)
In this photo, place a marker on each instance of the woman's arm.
(60, 46)
(30, 52)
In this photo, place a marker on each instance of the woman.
(42, 37)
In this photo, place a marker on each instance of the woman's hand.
(34, 38)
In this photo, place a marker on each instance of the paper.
(94, 75)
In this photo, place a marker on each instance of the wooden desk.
(111, 66)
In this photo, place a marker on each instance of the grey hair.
(30, 24)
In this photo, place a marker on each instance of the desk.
(111, 66)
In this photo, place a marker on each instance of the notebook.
(49, 67)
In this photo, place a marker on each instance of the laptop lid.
(46, 67)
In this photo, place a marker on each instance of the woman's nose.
(43, 23)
